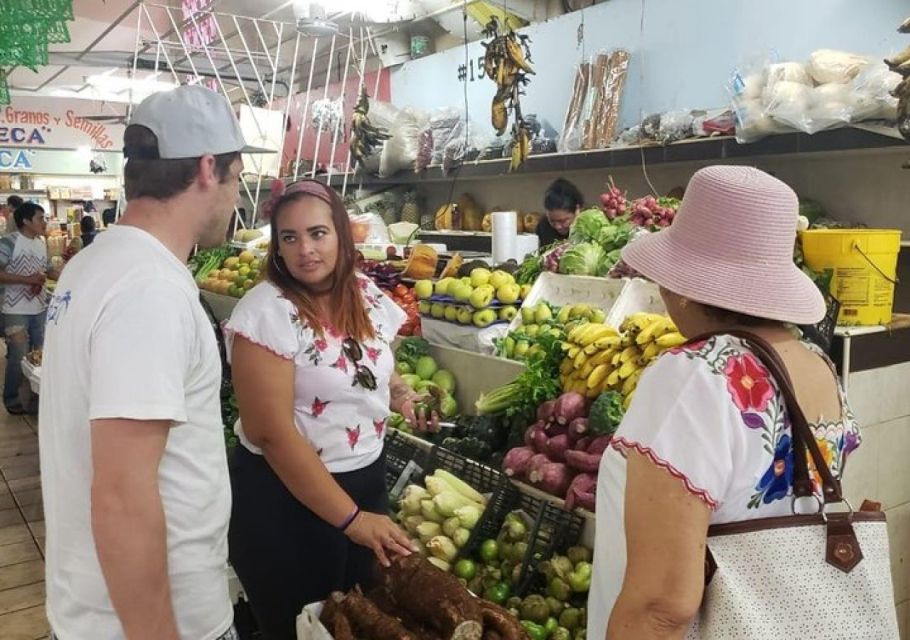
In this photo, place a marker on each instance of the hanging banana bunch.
(507, 62)
(365, 137)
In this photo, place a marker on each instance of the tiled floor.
(22, 614)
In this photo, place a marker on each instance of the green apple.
(509, 346)
(423, 289)
(507, 313)
(451, 312)
(442, 287)
(542, 313)
(410, 379)
(499, 278)
(424, 307)
(444, 380)
(508, 293)
(467, 281)
(438, 310)
(580, 311)
(480, 276)
(481, 297)
(465, 315)
(424, 386)
(461, 291)
(598, 316)
(484, 318)
(527, 315)
(531, 330)
(521, 348)
(525, 291)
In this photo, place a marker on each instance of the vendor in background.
(13, 202)
(562, 202)
(313, 368)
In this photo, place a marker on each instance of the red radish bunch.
(559, 457)
(613, 202)
(648, 213)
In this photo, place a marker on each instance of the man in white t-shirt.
(23, 269)
(133, 465)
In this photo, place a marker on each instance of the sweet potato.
(530, 431)
(535, 463)
(540, 440)
(583, 485)
(599, 445)
(583, 443)
(578, 428)
(503, 624)
(555, 429)
(553, 478)
(545, 411)
(515, 464)
(557, 447)
(568, 407)
(582, 461)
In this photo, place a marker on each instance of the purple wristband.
(350, 519)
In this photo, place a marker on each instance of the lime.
(489, 551)
(465, 569)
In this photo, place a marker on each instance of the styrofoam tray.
(461, 336)
(637, 295)
(561, 290)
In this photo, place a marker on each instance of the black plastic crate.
(402, 455)
(555, 530)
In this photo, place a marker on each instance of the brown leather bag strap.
(801, 434)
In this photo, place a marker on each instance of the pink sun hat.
(731, 246)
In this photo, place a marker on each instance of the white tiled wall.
(880, 468)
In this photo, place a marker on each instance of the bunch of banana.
(365, 137)
(600, 358)
(901, 64)
(521, 147)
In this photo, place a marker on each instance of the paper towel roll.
(505, 236)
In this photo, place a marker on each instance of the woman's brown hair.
(347, 312)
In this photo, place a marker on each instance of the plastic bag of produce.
(746, 86)
(810, 110)
(675, 125)
(401, 151)
(308, 625)
(872, 91)
(369, 228)
(829, 65)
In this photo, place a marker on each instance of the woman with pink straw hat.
(707, 439)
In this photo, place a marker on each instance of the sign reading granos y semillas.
(55, 124)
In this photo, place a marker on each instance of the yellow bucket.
(864, 266)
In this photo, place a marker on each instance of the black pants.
(285, 555)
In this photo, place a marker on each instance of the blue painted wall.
(683, 51)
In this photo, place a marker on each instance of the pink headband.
(309, 187)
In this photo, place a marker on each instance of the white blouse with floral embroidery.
(336, 408)
(711, 415)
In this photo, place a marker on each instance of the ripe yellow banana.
(604, 357)
(628, 369)
(517, 54)
(613, 379)
(566, 367)
(563, 316)
(598, 375)
(617, 360)
(652, 331)
(579, 386)
(580, 359)
(599, 332)
(586, 370)
(631, 383)
(565, 346)
(591, 394)
(629, 354)
(670, 340)
(573, 351)
(627, 401)
(591, 349)
(607, 342)
(650, 352)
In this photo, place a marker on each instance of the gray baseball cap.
(190, 121)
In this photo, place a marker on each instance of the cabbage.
(615, 235)
(587, 226)
(585, 259)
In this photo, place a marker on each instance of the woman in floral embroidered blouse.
(314, 373)
(707, 439)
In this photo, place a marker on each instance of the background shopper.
(562, 203)
(313, 368)
(706, 440)
(133, 465)
(23, 269)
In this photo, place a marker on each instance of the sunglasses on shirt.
(362, 375)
